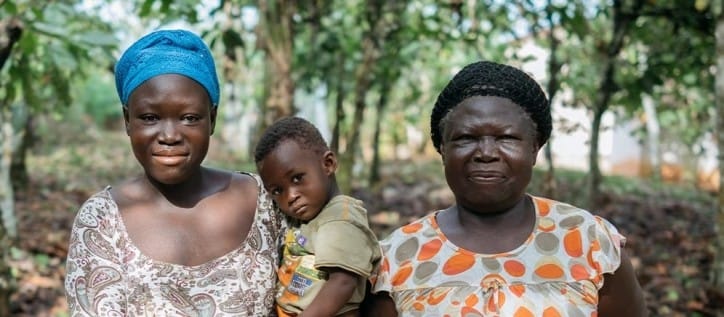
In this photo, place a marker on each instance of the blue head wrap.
(166, 52)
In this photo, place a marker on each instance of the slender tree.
(718, 272)
(623, 18)
(275, 34)
(381, 20)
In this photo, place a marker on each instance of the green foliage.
(97, 98)
(41, 261)
(58, 44)
(669, 57)
(168, 10)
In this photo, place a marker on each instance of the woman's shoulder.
(102, 197)
(246, 183)
(238, 180)
(99, 205)
(567, 217)
(553, 208)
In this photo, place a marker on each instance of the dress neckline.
(517, 250)
(145, 258)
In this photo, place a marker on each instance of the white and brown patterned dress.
(108, 276)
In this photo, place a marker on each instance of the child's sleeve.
(347, 245)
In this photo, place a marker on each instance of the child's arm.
(379, 305)
(334, 294)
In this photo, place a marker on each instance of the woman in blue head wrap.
(178, 239)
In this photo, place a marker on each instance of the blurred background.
(636, 89)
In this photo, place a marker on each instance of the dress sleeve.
(606, 246)
(274, 220)
(94, 282)
(345, 245)
(380, 277)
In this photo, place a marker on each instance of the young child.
(329, 250)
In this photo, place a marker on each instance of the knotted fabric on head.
(166, 52)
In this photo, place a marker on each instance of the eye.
(190, 118)
(297, 178)
(148, 118)
(274, 191)
(463, 139)
(508, 137)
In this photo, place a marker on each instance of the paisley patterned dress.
(109, 276)
(556, 272)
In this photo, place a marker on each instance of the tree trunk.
(381, 105)
(594, 173)
(652, 137)
(363, 82)
(338, 104)
(554, 66)
(275, 37)
(11, 31)
(19, 175)
(7, 282)
(621, 24)
(8, 229)
(718, 269)
(7, 199)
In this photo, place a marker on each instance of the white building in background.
(571, 126)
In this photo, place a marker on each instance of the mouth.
(170, 160)
(300, 210)
(486, 177)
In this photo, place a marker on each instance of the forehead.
(170, 88)
(489, 105)
(487, 109)
(289, 153)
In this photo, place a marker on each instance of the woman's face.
(489, 149)
(169, 120)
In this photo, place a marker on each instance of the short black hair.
(485, 78)
(290, 128)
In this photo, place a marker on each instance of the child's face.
(298, 179)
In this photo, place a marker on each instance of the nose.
(486, 150)
(169, 133)
(292, 196)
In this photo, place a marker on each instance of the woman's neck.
(185, 194)
(519, 214)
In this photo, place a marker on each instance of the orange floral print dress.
(556, 272)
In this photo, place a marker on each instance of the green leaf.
(42, 260)
(62, 57)
(49, 29)
(99, 38)
(10, 8)
(146, 8)
(16, 254)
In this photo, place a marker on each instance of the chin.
(166, 179)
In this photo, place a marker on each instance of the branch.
(13, 29)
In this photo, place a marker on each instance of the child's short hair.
(290, 128)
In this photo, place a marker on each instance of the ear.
(441, 150)
(125, 119)
(329, 162)
(212, 117)
(536, 150)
